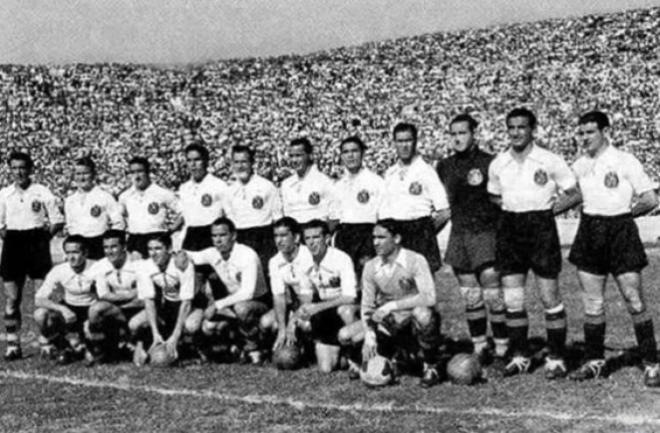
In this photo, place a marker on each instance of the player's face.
(84, 177)
(384, 242)
(20, 171)
(351, 156)
(139, 176)
(405, 144)
(299, 159)
(222, 238)
(590, 137)
(242, 165)
(196, 165)
(316, 241)
(461, 136)
(158, 252)
(75, 254)
(520, 132)
(114, 250)
(285, 241)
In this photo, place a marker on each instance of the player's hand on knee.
(69, 316)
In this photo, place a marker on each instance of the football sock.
(498, 328)
(517, 325)
(555, 325)
(645, 337)
(594, 337)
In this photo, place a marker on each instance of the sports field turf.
(38, 396)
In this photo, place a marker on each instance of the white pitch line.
(621, 419)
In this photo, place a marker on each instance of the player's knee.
(267, 322)
(635, 304)
(490, 277)
(40, 316)
(473, 297)
(594, 304)
(345, 336)
(209, 327)
(423, 316)
(137, 323)
(348, 313)
(243, 311)
(494, 298)
(325, 366)
(192, 324)
(97, 310)
(514, 299)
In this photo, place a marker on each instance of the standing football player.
(532, 185)
(29, 216)
(615, 189)
(471, 247)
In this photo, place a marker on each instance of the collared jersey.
(307, 198)
(465, 176)
(91, 213)
(241, 272)
(78, 288)
(609, 181)
(30, 208)
(531, 184)
(121, 280)
(147, 211)
(358, 197)
(412, 192)
(173, 284)
(291, 274)
(202, 202)
(256, 203)
(334, 276)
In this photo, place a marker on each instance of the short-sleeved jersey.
(610, 180)
(308, 197)
(113, 280)
(465, 177)
(412, 191)
(240, 272)
(334, 276)
(147, 211)
(202, 202)
(91, 213)
(358, 197)
(78, 287)
(291, 274)
(256, 203)
(530, 184)
(30, 208)
(172, 284)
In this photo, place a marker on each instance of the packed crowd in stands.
(558, 68)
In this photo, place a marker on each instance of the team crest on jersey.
(257, 202)
(474, 177)
(153, 208)
(415, 188)
(95, 211)
(540, 177)
(36, 206)
(408, 285)
(611, 180)
(314, 198)
(207, 200)
(334, 281)
(363, 196)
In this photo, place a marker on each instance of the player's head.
(139, 170)
(387, 237)
(592, 129)
(114, 246)
(286, 231)
(21, 166)
(223, 234)
(84, 173)
(352, 151)
(197, 160)
(462, 129)
(159, 246)
(520, 125)
(75, 251)
(405, 141)
(242, 159)
(300, 154)
(316, 235)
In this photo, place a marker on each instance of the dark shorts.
(94, 247)
(261, 240)
(138, 242)
(82, 314)
(326, 326)
(197, 238)
(356, 240)
(25, 253)
(59, 324)
(608, 244)
(528, 240)
(419, 235)
(470, 252)
(168, 312)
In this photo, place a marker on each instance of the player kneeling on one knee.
(62, 323)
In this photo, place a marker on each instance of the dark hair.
(405, 127)
(353, 139)
(597, 117)
(317, 224)
(391, 225)
(472, 123)
(161, 237)
(239, 148)
(224, 221)
(196, 147)
(144, 162)
(288, 223)
(88, 162)
(75, 239)
(522, 112)
(21, 156)
(115, 234)
(303, 141)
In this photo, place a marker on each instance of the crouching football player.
(62, 323)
